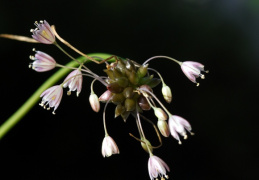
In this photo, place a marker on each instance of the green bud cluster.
(124, 78)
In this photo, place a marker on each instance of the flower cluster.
(128, 85)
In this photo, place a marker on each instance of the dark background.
(221, 34)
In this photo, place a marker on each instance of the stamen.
(32, 57)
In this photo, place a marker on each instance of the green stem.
(25, 108)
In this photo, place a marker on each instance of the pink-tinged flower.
(43, 33)
(52, 97)
(42, 62)
(177, 125)
(105, 96)
(157, 166)
(74, 81)
(94, 102)
(160, 114)
(193, 70)
(109, 147)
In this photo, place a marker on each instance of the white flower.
(74, 81)
(52, 97)
(157, 166)
(193, 70)
(177, 125)
(109, 147)
(42, 62)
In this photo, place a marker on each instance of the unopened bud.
(143, 103)
(94, 102)
(160, 114)
(130, 104)
(142, 71)
(163, 128)
(144, 145)
(105, 96)
(166, 91)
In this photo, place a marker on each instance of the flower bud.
(105, 96)
(130, 104)
(142, 70)
(166, 91)
(115, 88)
(163, 128)
(160, 114)
(143, 103)
(118, 98)
(128, 92)
(94, 102)
(122, 81)
(119, 110)
(144, 145)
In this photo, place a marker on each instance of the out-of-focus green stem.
(25, 108)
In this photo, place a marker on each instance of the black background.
(222, 35)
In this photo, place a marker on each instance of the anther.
(197, 84)
(48, 108)
(166, 176)
(202, 76)
(53, 113)
(179, 142)
(77, 94)
(30, 65)
(207, 71)
(41, 21)
(68, 93)
(185, 136)
(31, 30)
(192, 133)
(32, 57)
(33, 49)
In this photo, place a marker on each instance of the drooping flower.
(52, 97)
(157, 167)
(109, 147)
(177, 125)
(193, 70)
(94, 102)
(43, 33)
(42, 62)
(74, 81)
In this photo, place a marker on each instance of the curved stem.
(25, 108)
(165, 57)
